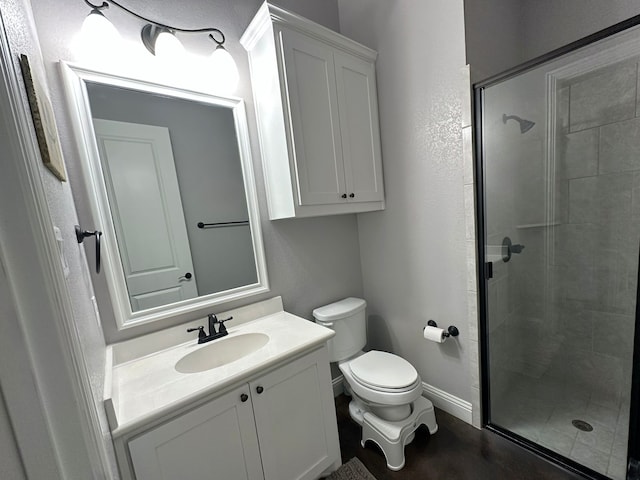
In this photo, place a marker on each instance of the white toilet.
(386, 390)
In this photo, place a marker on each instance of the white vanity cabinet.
(296, 419)
(216, 440)
(280, 425)
(316, 104)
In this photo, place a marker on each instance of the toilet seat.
(380, 395)
(383, 371)
(387, 390)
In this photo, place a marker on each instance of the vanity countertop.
(147, 388)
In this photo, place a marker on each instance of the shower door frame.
(484, 272)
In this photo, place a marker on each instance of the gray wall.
(493, 37)
(207, 161)
(502, 34)
(413, 253)
(548, 24)
(311, 261)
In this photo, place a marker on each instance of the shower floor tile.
(556, 440)
(525, 410)
(617, 468)
(600, 439)
(590, 457)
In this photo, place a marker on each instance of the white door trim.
(30, 257)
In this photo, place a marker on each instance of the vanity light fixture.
(98, 32)
(160, 39)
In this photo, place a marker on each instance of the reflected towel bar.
(222, 224)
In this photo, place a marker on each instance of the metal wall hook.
(82, 234)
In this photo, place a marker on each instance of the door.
(296, 420)
(311, 87)
(144, 197)
(358, 108)
(216, 440)
(560, 233)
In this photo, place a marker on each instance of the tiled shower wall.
(593, 258)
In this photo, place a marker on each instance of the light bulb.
(98, 36)
(168, 47)
(224, 69)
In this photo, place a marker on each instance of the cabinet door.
(217, 440)
(358, 109)
(311, 91)
(296, 420)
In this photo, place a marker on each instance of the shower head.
(525, 125)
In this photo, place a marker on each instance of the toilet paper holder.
(452, 331)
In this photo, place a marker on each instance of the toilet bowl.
(383, 382)
(386, 390)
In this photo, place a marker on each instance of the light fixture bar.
(105, 4)
(160, 40)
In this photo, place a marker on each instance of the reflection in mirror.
(172, 177)
(170, 164)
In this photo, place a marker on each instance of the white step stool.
(392, 437)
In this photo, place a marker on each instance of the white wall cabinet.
(316, 104)
(281, 425)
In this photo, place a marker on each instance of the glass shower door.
(560, 171)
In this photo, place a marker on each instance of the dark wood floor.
(456, 452)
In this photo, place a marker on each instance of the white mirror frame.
(75, 80)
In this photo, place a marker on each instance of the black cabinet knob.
(344, 195)
(351, 195)
(259, 389)
(244, 397)
(187, 275)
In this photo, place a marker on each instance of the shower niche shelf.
(537, 225)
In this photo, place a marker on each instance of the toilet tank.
(347, 319)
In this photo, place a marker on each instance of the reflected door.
(147, 213)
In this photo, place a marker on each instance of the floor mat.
(352, 470)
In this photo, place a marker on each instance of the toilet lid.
(383, 370)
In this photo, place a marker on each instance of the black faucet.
(213, 320)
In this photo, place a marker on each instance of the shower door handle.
(488, 270)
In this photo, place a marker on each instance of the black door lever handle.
(82, 234)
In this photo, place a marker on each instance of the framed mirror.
(170, 184)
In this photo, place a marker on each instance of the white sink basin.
(221, 352)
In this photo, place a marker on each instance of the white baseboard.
(338, 389)
(449, 403)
